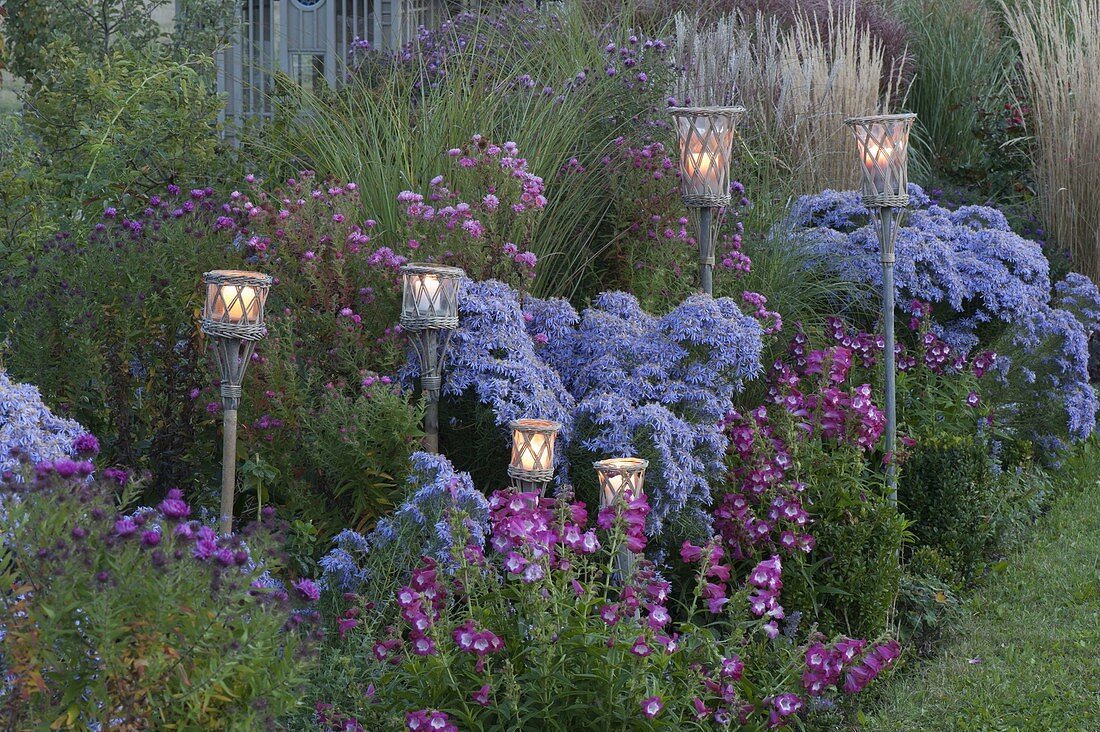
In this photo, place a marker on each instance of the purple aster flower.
(125, 526)
(86, 445)
(173, 506)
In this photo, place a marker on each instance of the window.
(308, 70)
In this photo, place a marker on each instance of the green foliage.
(26, 210)
(946, 490)
(851, 578)
(91, 29)
(360, 448)
(926, 605)
(202, 27)
(106, 327)
(124, 124)
(126, 623)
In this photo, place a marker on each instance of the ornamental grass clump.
(534, 629)
(798, 81)
(558, 86)
(1059, 43)
(988, 288)
(142, 620)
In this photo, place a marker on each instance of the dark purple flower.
(173, 506)
(86, 445)
(125, 526)
(652, 706)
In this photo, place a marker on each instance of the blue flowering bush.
(373, 565)
(621, 381)
(30, 431)
(988, 287)
(657, 387)
(122, 620)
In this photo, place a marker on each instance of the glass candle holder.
(882, 142)
(706, 148)
(620, 479)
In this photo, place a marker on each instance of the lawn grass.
(1026, 652)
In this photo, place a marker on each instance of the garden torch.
(883, 145)
(706, 146)
(532, 465)
(233, 319)
(429, 313)
(621, 479)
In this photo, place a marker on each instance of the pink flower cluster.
(421, 602)
(525, 534)
(865, 346)
(510, 189)
(772, 519)
(848, 415)
(826, 663)
(644, 598)
(734, 259)
(770, 320)
(764, 514)
(764, 602)
(480, 642)
(631, 513)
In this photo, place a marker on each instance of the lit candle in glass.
(704, 154)
(426, 295)
(241, 301)
(529, 458)
(533, 444)
(532, 464)
(876, 158)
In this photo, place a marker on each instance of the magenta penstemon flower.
(640, 648)
(308, 589)
(732, 667)
(481, 696)
(423, 646)
(429, 720)
(652, 706)
(343, 625)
